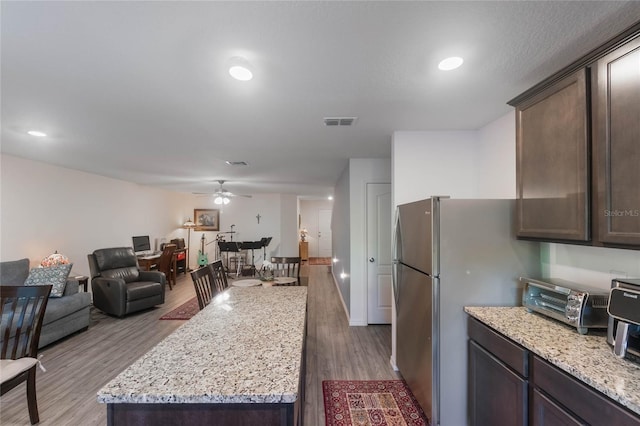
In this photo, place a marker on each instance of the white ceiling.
(139, 91)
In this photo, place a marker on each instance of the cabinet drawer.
(588, 404)
(508, 352)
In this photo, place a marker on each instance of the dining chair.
(287, 267)
(165, 264)
(22, 310)
(219, 276)
(204, 284)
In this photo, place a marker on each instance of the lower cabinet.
(545, 412)
(498, 395)
(508, 385)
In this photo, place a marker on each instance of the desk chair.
(166, 264)
(287, 267)
(22, 310)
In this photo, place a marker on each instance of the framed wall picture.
(206, 219)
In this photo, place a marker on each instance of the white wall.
(594, 266)
(46, 208)
(341, 237)
(242, 212)
(434, 163)
(497, 158)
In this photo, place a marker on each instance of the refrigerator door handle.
(394, 263)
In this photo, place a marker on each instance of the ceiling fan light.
(225, 200)
(218, 200)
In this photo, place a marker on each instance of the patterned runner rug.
(370, 402)
(184, 311)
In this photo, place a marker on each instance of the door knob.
(371, 259)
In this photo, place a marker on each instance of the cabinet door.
(548, 413)
(617, 145)
(552, 168)
(497, 396)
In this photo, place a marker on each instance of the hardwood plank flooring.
(80, 365)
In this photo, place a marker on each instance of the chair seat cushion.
(10, 368)
(142, 289)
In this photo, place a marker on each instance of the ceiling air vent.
(237, 163)
(339, 121)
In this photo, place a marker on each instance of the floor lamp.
(188, 224)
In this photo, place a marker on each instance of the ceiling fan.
(222, 196)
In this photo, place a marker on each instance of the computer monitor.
(141, 244)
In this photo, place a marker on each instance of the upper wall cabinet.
(617, 145)
(553, 162)
(578, 150)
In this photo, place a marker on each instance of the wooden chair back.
(204, 284)
(165, 263)
(219, 276)
(287, 267)
(22, 310)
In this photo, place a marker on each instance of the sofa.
(64, 315)
(119, 286)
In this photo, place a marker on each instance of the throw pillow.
(52, 275)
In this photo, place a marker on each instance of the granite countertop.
(586, 357)
(246, 346)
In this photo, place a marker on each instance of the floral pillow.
(52, 275)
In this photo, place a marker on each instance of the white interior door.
(324, 233)
(379, 253)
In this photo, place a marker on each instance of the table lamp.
(189, 224)
(54, 260)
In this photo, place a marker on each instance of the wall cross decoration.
(258, 217)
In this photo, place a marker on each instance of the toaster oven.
(574, 304)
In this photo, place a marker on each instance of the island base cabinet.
(202, 414)
(497, 396)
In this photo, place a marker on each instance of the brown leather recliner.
(119, 286)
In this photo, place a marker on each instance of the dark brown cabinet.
(578, 150)
(545, 412)
(552, 150)
(498, 371)
(509, 385)
(498, 395)
(617, 143)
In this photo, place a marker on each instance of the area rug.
(320, 261)
(184, 311)
(371, 402)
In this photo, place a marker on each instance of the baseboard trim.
(344, 305)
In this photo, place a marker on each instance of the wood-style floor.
(80, 365)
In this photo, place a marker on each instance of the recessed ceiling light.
(450, 63)
(240, 69)
(240, 73)
(37, 133)
(330, 197)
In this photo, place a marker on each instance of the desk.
(148, 263)
(246, 365)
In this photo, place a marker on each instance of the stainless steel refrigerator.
(450, 253)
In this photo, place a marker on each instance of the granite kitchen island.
(238, 361)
